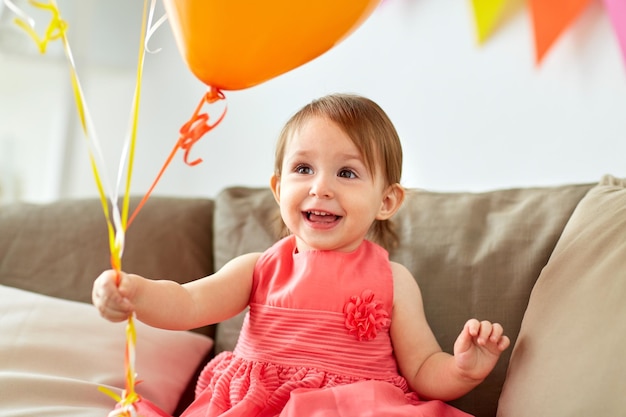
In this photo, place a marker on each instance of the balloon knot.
(213, 95)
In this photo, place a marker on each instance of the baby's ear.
(275, 186)
(392, 200)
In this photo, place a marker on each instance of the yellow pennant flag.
(490, 14)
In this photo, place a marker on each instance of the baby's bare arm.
(169, 305)
(429, 371)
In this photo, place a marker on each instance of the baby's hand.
(478, 347)
(111, 295)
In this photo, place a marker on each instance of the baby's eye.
(303, 169)
(347, 173)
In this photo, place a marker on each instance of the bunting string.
(549, 19)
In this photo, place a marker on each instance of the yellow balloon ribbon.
(56, 30)
(116, 221)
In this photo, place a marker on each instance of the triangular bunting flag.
(487, 15)
(550, 18)
(490, 14)
(617, 12)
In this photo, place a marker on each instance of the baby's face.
(328, 198)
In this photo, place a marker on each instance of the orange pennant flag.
(550, 18)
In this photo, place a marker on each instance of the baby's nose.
(321, 187)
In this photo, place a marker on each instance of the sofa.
(548, 262)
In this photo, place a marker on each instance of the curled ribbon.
(126, 402)
(190, 133)
(55, 30)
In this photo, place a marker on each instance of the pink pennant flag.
(617, 12)
(550, 18)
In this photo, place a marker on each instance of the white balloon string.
(153, 28)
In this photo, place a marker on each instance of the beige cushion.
(570, 357)
(54, 354)
(473, 255)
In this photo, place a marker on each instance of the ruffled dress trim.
(270, 360)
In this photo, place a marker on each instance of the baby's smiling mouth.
(321, 216)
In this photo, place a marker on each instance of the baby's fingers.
(108, 299)
(466, 338)
(498, 338)
(492, 335)
(114, 314)
(113, 306)
(485, 333)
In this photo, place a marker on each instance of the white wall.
(470, 117)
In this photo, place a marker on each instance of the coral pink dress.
(315, 342)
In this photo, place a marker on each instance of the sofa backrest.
(59, 248)
(473, 255)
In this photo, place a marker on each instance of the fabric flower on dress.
(365, 316)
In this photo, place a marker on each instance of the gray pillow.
(479, 255)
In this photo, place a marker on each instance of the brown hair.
(371, 131)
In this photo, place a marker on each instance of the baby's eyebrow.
(303, 154)
(355, 157)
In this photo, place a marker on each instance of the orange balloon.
(236, 44)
